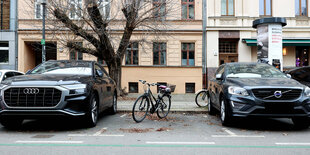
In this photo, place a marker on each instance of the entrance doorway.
(33, 53)
(228, 49)
(302, 56)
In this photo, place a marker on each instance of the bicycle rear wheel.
(201, 99)
(140, 109)
(164, 106)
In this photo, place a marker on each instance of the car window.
(302, 74)
(220, 70)
(97, 67)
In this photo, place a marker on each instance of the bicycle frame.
(151, 97)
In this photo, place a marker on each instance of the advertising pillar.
(269, 40)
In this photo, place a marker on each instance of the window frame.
(265, 8)
(300, 9)
(159, 53)
(187, 3)
(187, 53)
(186, 85)
(227, 8)
(132, 50)
(5, 48)
(159, 2)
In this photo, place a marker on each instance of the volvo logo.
(278, 94)
(31, 91)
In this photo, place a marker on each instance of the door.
(215, 86)
(302, 56)
(227, 58)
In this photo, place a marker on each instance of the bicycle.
(162, 103)
(202, 98)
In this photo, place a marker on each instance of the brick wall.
(6, 14)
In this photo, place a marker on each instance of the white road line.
(188, 143)
(51, 142)
(238, 136)
(100, 135)
(123, 115)
(229, 132)
(100, 131)
(292, 143)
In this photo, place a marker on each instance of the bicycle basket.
(172, 87)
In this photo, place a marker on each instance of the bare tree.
(97, 21)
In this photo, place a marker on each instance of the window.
(228, 8)
(38, 9)
(75, 7)
(75, 55)
(188, 54)
(132, 54)
(188, 9)
(133, 87)
(227, 46)
(265, 7)
(104, 7)
(190, 87)
(4, 52)
(301, 8)
(159, 53)
(159, 9)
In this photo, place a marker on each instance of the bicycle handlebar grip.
(142, 81)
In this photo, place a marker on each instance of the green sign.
(43, 42)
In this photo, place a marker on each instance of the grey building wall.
(11, 37)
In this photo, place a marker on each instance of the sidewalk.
(179, 103)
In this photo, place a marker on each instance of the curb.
(174, 110)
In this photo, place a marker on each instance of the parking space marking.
(101, 135)
(100, 131)
(50, 142)
(182, 143)
(303, 144)
(123, 115)
(233, 135)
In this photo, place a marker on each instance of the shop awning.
(286, 41)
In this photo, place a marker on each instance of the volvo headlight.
(307, 91)
(237, 91)
(76, 88)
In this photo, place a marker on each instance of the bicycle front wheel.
(201, 99)
(140, 109)
(164, 106)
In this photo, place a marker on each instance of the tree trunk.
(115, 71)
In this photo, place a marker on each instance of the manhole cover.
(42, 136)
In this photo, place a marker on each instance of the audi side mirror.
(218, 76)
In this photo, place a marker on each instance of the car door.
(217, 86)
(105, 86)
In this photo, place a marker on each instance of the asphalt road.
(181, 133)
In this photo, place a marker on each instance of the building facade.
(231, 38)
(175, 58)
(8, 34)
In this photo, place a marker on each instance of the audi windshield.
(259, 70)
(59, 67)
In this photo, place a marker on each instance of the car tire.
(92, 113)
(11, 123)
(113, 110)
(225, 113)
(301, 122)
(211, 109)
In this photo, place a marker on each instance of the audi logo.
(31, 91)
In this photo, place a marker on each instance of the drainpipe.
(204, 51)
(13, 28)
(1, 14)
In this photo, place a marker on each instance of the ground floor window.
(228, 50)
(133, 87)
(302, 56)
(4, 52)
(190, 87)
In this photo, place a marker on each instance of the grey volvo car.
(80, 89)
(257, 89)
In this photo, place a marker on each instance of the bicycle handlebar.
(150, 84)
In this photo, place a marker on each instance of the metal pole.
(43, 33)
(204, 51)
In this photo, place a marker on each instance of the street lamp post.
(43, 2)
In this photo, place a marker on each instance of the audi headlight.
(307, 91)
(237, 91)
(2, 86)
(76, 88)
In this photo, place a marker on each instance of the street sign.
(43, 42)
